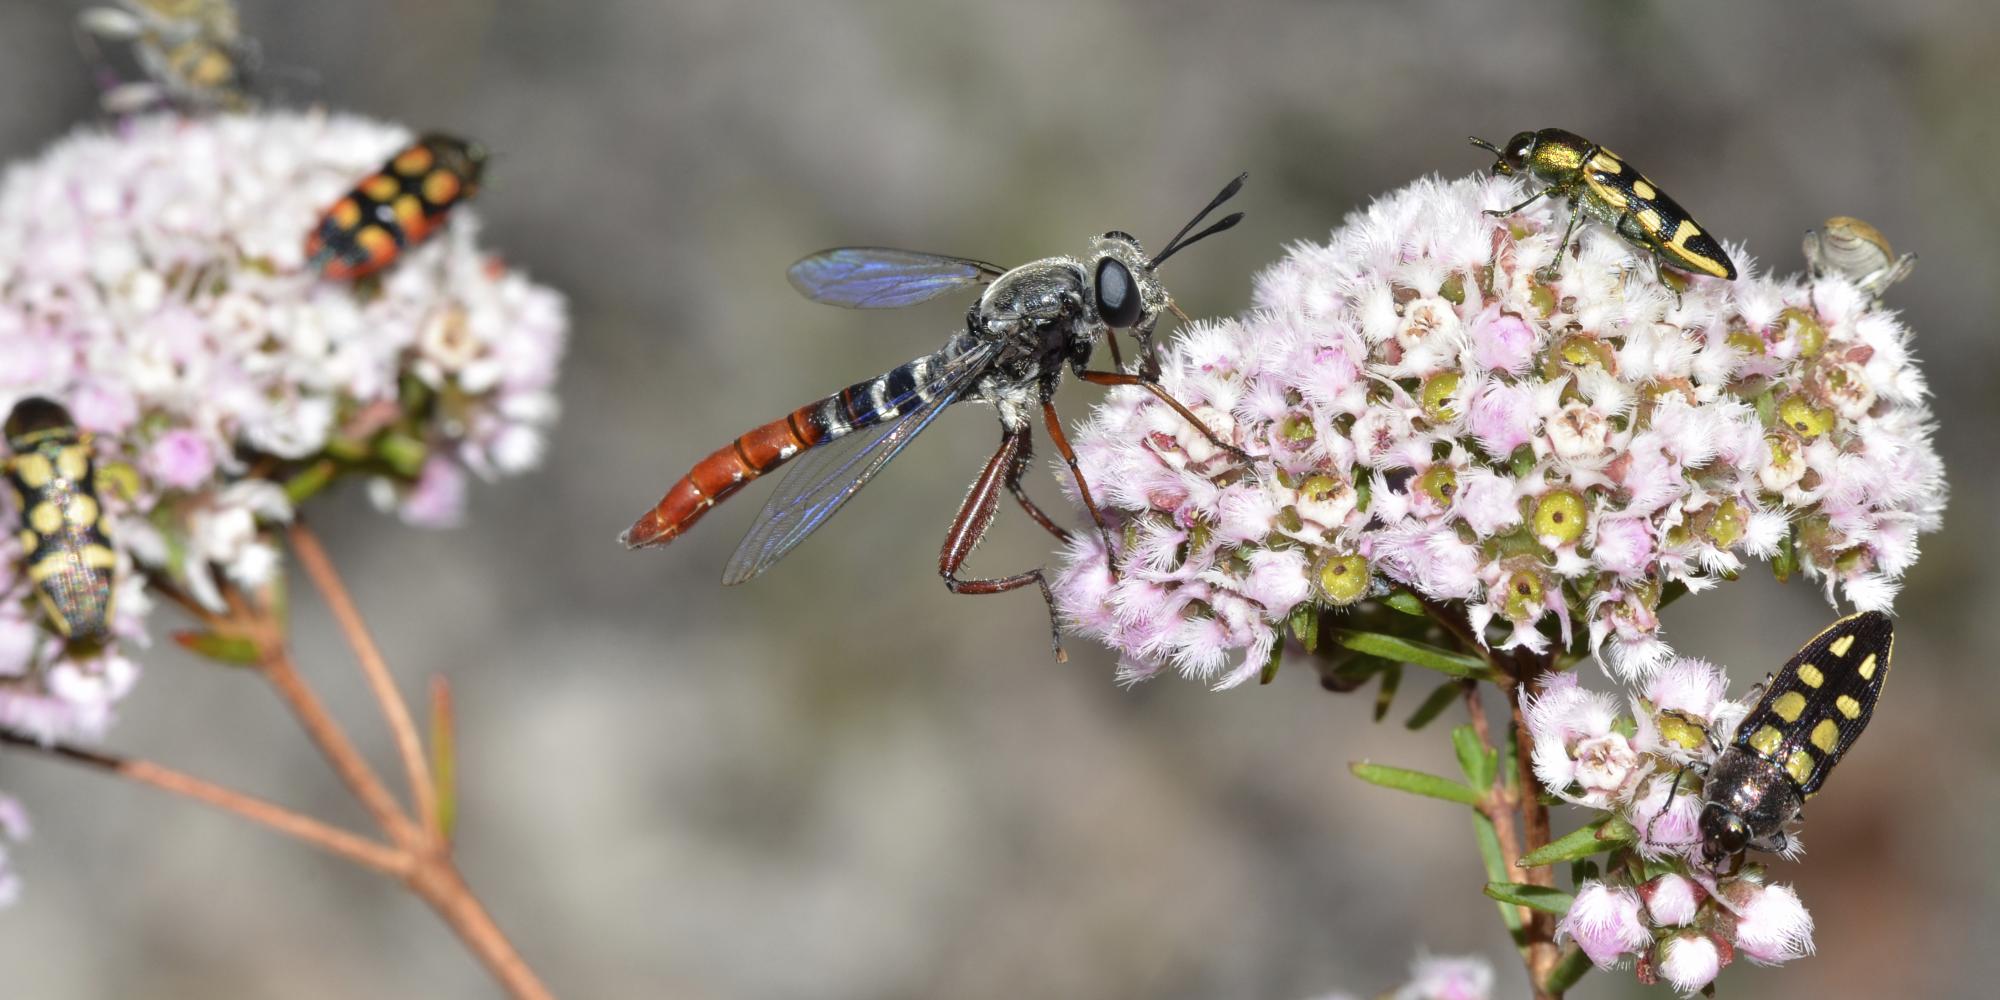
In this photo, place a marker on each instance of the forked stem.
(418, 853)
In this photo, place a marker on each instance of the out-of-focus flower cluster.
(153, 282)
(1431, 409)
(1659, 901)
(1441, 977)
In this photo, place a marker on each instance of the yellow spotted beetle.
(1601, 185)
(63, 535)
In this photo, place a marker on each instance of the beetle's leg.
(974, 517)
(1569, 233)
(1539, 195)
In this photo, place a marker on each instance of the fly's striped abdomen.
(67, 549)
(1646, 215)
(715, 478)
(397, 206)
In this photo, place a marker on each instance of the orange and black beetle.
(395, 207)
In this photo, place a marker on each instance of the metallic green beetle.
(63, 535)
(1601, 185)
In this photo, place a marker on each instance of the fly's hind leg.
(975, 516)
(1028, 503)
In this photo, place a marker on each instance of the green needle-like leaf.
(1570, 968)
(1534, 897)
(1434, 705)
(1416, 783)
(1406, 602)
(1582, 842)
(1401, 650)
(1473, 759)
(1392, 678)
(1496, 871)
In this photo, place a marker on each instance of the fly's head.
(1125, 294)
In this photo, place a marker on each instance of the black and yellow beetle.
(1601, 185)
(64, 540)
(1811, 712)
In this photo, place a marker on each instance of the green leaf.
(1392, 678)
(313, 479)
(1535, 897)
(1270, 671)
(1786, 561)
(1406, 602)
(403, 453)
(1581, 842)
(1305, 627)
(1415, 782)
(233, 650)
(1476, 761)
(1401, 650)
(1568, 970)
(1496, 871)
(1438, 701)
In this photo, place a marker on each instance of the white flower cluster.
(1432, 409)
(153, 282)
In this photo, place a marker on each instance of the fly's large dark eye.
(1117, 294)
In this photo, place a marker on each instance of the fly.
(1028, 323)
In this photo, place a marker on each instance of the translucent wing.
(881, 278)
(822, 480)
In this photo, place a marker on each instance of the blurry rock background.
(843, 782)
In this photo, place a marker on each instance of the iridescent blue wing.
(881, 278)
(823, 479)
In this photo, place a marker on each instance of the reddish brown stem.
(423, 790)
(353, 847)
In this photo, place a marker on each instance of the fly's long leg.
(1126, 378)
(1021, 493)
(974, 517)
(1082, 485)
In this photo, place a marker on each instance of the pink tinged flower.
(1623, 545)
(1606, 765)
(1277, 580)
(438, 498)
(102, 406)
(18, 638)
(1689, 961)
(1606, 923)
(1690, 686)
(1502, 341)
(1671, 900)
(1772, 926)
(180, 459)
(1579, 433)
(1487, 501)
(1502, 417)
(1446, 977)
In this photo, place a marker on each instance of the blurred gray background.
(843, 782)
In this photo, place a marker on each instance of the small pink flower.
(1668, 821)
(1672, 901)
(1439, 977)
(1689, 961)
(438, 498)
(1772, 926)
(1606, 923)
(1606, 765)
(1623, 545)
(180, 459)
(1693, 687)
(1502, 417)
(1502, 341)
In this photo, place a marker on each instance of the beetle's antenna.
(1487, 146)
(1228, 191)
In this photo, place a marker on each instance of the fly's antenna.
(1178, 244)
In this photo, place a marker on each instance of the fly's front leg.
(974, 517)
(1021, 493)
(1152, 386)
(1082, 485)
